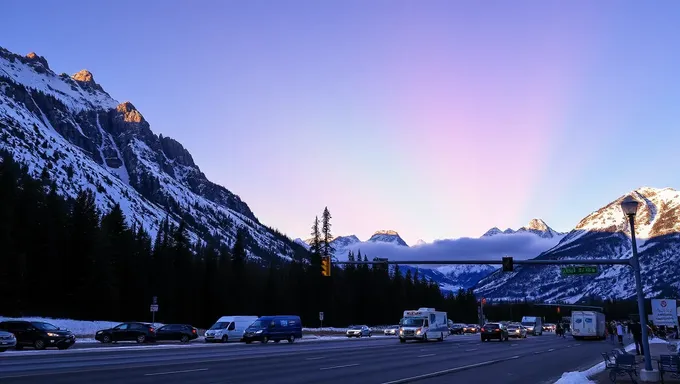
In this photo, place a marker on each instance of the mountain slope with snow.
(535, 226)
(605, 234)
(70, 127)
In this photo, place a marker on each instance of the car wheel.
(39, 344)
(106, 339)
(291, 339)
(265, 340)
(441, 337)
(141, 339)
(402, 340)
(184, 339)
(3, 349)
(63, 347)
(18, 347)
(224, 339)
(277, 341)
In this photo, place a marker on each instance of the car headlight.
(50, 334)
(258, 332)
(418, 331)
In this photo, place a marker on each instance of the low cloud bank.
(518, 245)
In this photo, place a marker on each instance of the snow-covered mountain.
(535, 226)
(71, 128)
(387, 236)
(605, 234)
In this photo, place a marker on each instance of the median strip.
(175, 372)
(338, 366)
(448, 371)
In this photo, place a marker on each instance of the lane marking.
(447, 371)
(551, 349)
(470, 350)
(537, 353)
(428, 355)
(513, 345)
(315, 358)
(576, 345)
(338, 366)
(175, 372)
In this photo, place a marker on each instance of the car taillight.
(483, 330)
(498, 330)
(151, 329)
(193, 330)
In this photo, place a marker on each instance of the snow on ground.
(581, 377)
(84, 330)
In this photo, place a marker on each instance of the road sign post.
(154, 308)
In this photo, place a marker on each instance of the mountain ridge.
(84, 138)
(604, 233)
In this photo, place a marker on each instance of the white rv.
(533, 324)
(587, 324)
(423, 324)
(229, 328)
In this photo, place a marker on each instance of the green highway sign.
(582, 270)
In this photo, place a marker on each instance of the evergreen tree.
(327, 236)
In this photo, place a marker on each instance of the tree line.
(64, 258)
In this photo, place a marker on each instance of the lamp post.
(629, 206)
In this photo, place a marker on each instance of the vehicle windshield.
(259, 324)
(44, 326)
(393, 327)
(412, 322)
(221, 325)
(354, 327)
(528, 324)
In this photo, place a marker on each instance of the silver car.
(392, 331)
(358, 331)
(7, 340)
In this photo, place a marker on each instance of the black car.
(139, 332)
(494, 331)
(177, 332)
(457, 329)
(38, 334)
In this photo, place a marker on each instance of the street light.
(629, 206)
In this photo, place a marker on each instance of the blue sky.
(437, 119)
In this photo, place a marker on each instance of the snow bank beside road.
(81, 328)
(574, 377)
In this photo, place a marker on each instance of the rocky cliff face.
(86, 139)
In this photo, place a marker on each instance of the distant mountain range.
(604, 234)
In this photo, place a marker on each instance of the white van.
(533, 324)
(229, 328)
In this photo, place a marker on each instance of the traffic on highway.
(439, 350)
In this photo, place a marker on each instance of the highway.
(463, 359)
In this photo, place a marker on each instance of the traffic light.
(326, 265)
(507, 264)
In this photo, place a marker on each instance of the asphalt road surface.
(463, 359)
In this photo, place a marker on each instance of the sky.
(437, 119)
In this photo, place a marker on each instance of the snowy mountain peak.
(86, 80)
(535, 226)
(656, 215)
(344, 241)
(387, 236)
(420, 242)
(34, 58)
(492, 231)
(130, 113)
(538, 225)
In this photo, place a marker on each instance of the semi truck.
(588, 325)
(423, 324)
